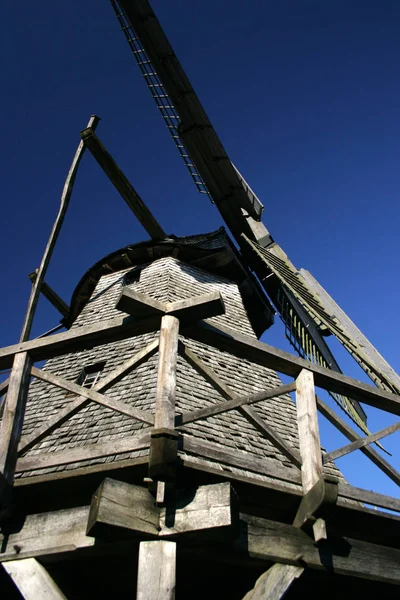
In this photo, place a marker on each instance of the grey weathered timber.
(75, 405)
(273, 541)
(122, 505)
(80, 338)
(166, 379)
(51, 295)
(65, 198)
(138, 304)
(156, 570)
(197, 307)
(242, 460)
(361, 495)
(91, 394)
(347, 431)
(369, 439)
(212, 508)
(65, 457)
(32, 580)
(309, 441)
(243, 346)
(122, 184)
(47, 533)
(248, 412)
(274, 583)
(217, 409)
(319, 500)
(13, 415)
(4, 386)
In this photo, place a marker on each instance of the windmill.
(207, 426)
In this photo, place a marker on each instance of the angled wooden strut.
(51, 295)
(122, 184)
(274, 583)
(237, 402)
(85, 395)
(32, 580)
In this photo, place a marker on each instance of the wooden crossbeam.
(217, 409)
(369, 439)
(347, 431)
(246, 411)
(122, 184)
(74, 406)
(243, 346)
(32, 580)
(80, 338)
(91, 394)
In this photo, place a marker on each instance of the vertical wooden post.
(310, 446)
(13, 416)
(166, 381)
(156, 571)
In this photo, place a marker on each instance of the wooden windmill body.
(157, 452)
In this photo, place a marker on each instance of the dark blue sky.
(305, 97)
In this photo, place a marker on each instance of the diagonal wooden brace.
(318, 502)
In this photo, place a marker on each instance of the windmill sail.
(308, 312)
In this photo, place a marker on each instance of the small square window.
(90, 375)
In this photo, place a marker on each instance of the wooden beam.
(368, 497)
(369, 439)
(4, 386)
(51, 295)
(198, 307)
(347, 431)
(217, 409)
(75, 405)
(74, 455)
(243, 346)
(246, 411)
(65, 198)
(91, 394)
(13, 416)
(166, 380)
(81, 338)
(32, 580)
(241, 460)
(279, 542)
(138, 304)
(156, 571)
(122, 184)
(118, 505)
(310, 446)
(274, 583)
(47, 533)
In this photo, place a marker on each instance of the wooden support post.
(13, 415)
(32, 580)
(51, 295)
(156, 571)
(274, 583)
(310, 448)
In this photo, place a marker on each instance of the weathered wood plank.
(66, 457)
(139, 305)
(4, 386)
(368, 497)
(75, 405)
(156, 571)
(51, 295)
(166, 379)
(122, 184)
(274, 583)
(279, 542)
(210, 508)
(13, 415)
(47, 533)
(217, 409)
(122, 505)
(307, 422)
(65, 198)
(369, 439)
(32, 580)
(241, 460)
(347, 431)
(198, 307)
(92, 394)
(243, 346)
(81, 338)
(246, 411)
